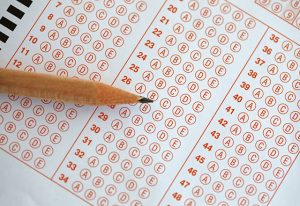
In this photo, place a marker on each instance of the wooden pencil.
(64, 89)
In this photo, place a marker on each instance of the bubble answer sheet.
(224, 126)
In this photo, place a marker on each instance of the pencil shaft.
(63, 89)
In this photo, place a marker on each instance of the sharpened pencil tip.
(145, 100)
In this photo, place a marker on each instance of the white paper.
(224, 127)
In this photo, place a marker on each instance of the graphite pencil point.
(145, 100)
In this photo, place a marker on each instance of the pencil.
(64, 89)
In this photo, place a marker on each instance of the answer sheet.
(224, 126)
